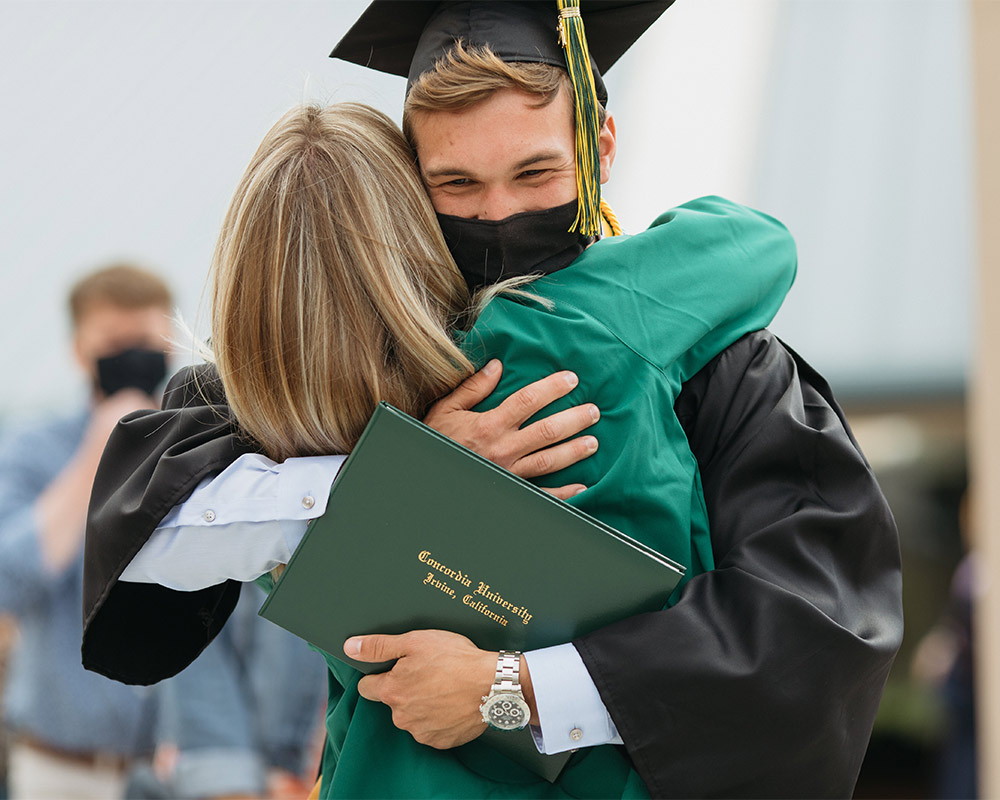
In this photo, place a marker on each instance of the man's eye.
(459, 182)
(532, 173)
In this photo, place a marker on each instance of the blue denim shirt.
(253, 700)
(49, 695)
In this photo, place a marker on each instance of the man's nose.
(497, 203)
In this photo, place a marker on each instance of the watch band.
(508, 671)
(505, 707)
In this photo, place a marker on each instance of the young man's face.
(503, 156)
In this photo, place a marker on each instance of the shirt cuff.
(570, 710)
(238, 525)
(256, 489)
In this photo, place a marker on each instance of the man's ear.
(606, 147)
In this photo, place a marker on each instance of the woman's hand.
(538, 449)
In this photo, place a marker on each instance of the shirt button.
(308, 501)
(209, 516)
(576, 734)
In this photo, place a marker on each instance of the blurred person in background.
(8, 635)
(73, 734)
(945, 661)
(240, 721)
(243, 720)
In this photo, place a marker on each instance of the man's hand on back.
(538, 449)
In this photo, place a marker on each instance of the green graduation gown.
(634, 317)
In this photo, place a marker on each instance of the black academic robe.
(762, 681)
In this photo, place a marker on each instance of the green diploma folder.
(420, 532)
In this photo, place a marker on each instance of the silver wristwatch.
(505, 708)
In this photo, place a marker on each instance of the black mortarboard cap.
(407, 37)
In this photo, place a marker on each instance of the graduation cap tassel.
(588, 165)
(610, 218)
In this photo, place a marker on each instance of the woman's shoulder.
(196, 385)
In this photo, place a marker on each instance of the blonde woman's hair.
(465, 76)
(332, 288)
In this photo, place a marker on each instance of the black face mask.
(532, 243)
(135, 368)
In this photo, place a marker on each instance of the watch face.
(506, 711)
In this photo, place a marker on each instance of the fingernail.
(581, 490)
(571, 378)
(491, 366)
(595, 413)
(352, 646)
(590, 442)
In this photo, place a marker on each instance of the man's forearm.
(61, 511)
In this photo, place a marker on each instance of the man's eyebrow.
(535, 158)
(545, 155)
(442, 172)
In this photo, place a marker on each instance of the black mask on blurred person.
(531, 243)
(135, 368)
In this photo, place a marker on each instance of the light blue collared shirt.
(251, 517)
(49, 696)
(250, 702)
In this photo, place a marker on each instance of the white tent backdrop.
(866, 145)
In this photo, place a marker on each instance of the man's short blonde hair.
(119, 285)
(465, 76)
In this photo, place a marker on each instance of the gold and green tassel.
(610, 219)
(588, 162)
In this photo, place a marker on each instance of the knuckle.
(502, 456)
(542, 462)
(474, 379)
(372, 649)
(400, 720)
(406, 643)
(548, 430)
(485, 429)
(527, 398)
(390, 697)
(425, 738)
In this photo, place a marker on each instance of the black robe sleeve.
(137, 632)
(764, 679)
